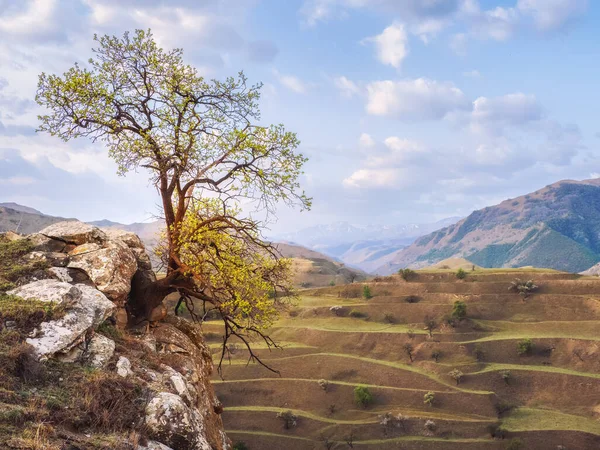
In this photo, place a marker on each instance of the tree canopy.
(206, 152)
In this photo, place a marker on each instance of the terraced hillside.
(336, 340)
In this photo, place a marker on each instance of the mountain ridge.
(556, 227)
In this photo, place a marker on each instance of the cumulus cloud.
(366, 141)
(552, 14)
(512, 109)
(391, 45)
(346, 87)
(419, 99)
(292, 82)
(373, 178)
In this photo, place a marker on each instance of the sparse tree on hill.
(457, 375)
(407, 274)
(525, 347)
(350, 439)
(429, 398)
(461, 274)
(436, 355)
(430, 324)
(478, 352)
(408, 349)
(524, 288)
(363, 396)
(506, 376)
(327, 443)
(367, 292)
(289, 419)
(201, 143)
(459, 310)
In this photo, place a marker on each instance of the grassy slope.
(320, 336)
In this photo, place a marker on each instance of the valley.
(334, 340)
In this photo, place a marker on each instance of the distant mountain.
(20, 219)
(16, 207)
(361, 246)
(556, 227)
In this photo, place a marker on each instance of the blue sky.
(409, 110)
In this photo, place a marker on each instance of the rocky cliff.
(71, 375)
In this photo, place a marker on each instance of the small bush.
(502, 407)
(461, 274)
(332, 283)
(408, 349)
(412, 299)
(323, 384)
(478, 352)
(350, 291)
(429, 398)
(407, 274)
(459, 310)
(410, 333)
(506, 376)
(515, 444)
(389, 318)
(524, 288)
(240, 446)
(436, 355)
(367, 295)
(289, 419)
(457, 375)
(430, 425)
(525, 347)
(496, 431)
(430, 325)
(357, 314)
(363, 396)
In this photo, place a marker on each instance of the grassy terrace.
(556, 393)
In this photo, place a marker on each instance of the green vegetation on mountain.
(556, 227)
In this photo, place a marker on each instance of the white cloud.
(33, 18)
(419, 99)
(372, 178)
(513, 109)
(391, 45)
(366, 141)
(346, 87)
(428, 29)
(552, 14)
(292, 83)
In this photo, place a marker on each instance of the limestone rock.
(99, 351)
(124, 367)
(53, 291)
(110, 268)
(74, 232)
(43, 243)
(172, 422)
(86, 308)
(134, 243)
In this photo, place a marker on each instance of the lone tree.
(201, 144)
(430, 324)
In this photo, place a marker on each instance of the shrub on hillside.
(350, 291)
(506, 376)
(430, 325)
(410, 333)
(478, 352)
(459, 310)
(430, 426)
(525, 347)
(389, 420)
(367, 295)
(502, 407)
(389, 318)
(332, 283)
(408, 349)
(289, 419)
(524, 288)
(412, 299)
(429, 398)
(323, 384)
(363, 396)
(357, 314)
(457, 375)
(461, 274)
(496, 431)
(407, 274)
(436, 355)
(240, 446)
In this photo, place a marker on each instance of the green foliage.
(459, 310)
(525, 347)
(332, 283)
(506, 376)
(429, 398)
(13, 265)
(240, 446)
(27, 314)
(461, 274)
(494, 255)
(367, 292)
(407, 274)
(363, 396)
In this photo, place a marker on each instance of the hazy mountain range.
(360, 246)
(555, 227)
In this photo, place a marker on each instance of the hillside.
(15, 217)
(361, 246)
(334, 340)
(556, 227)
(314, 269)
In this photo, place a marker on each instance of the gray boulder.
(74, 232)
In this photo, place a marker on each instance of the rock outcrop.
(88, 280)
